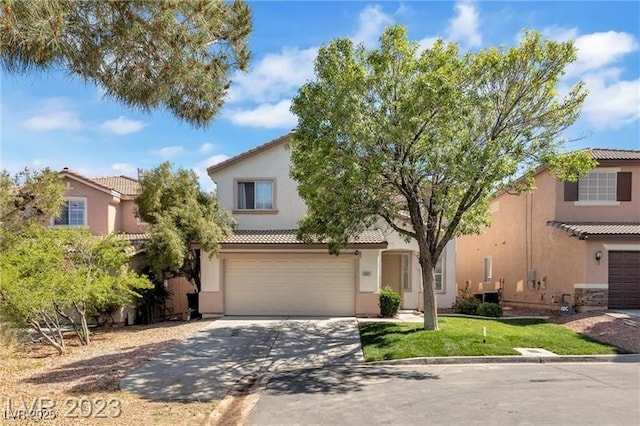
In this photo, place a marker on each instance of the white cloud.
(599, 49)
(168, 151)
(463, 27)
(611, 102)
(201, 170)
(122, 126)
(371, 22)
(427, 43)
(214, 159)
(53, 114)
(274, 76)
(206, 147)
(267, 116)
(556, 33)
(125, 169)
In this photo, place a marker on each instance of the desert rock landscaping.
(87, 378)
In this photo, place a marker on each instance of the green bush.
(390, 302)
(489, 310)
(466, 305)
(9, 341)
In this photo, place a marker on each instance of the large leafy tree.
(48, 273)
(27, 197)
(170, 54)
(421, 139)
(183, 219)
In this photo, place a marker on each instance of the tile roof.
(288, 236)
(137, 241)
(615, 154)
(595, 230)
(253, 151)
(125, 185)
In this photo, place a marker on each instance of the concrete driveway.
(234, 350)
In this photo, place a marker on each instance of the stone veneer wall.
(587, 299)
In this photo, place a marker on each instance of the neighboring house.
(262, 269)
(104, 205)
(574, 241)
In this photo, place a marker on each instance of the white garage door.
(279, 285)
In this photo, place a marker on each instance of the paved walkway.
(233, 349)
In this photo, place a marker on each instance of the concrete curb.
(514, 359)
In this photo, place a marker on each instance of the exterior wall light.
(598, 256)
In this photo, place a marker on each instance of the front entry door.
(392, 271)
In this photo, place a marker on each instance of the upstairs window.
(597, 186)
(255, 195)
(72, 213)
(601, 186)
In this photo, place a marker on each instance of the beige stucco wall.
(270, 164)
(99, 218)
(128, 221)
(519, 240)
(626, 211)
(105, 212)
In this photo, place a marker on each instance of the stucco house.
(263, 269)
(105, 205)
(102, 205)
(577, 242)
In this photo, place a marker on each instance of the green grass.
(464, 337)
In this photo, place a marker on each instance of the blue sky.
(56, 121)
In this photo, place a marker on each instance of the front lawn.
(464, 337)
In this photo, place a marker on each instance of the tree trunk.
(50, 340)
(82, 311)
(429, 293)
(70, 320)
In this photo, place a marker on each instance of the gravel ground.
(92, 375)
(614, 328)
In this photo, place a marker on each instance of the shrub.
(389, 302)
(9, 341)
(490, 310)
(466, 305)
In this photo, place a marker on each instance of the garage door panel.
(280, 286)
(624, 280)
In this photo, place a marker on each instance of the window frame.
(405, 272)
(439, 272)
(573, 192)
(236, 198)
(596, 183)
(85, 221)
(487, 270)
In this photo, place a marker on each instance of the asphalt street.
(475, 394)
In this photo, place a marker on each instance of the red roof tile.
(288, 236)
(595, 230)
(615, 154)
(125, 185)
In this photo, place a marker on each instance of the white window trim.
(443, 283)
(406, 288)
(52, 221)
(487, 273)
(237, 181)
(596, 203)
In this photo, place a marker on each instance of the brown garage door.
(624, 279)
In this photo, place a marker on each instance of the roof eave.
(248, 154)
